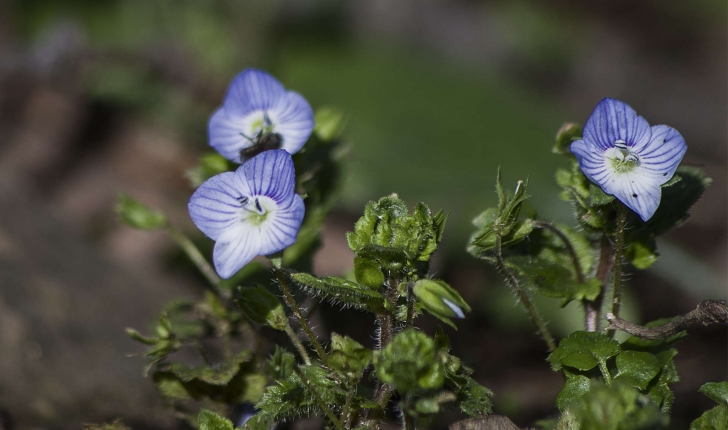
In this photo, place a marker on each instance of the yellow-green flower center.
(622, 158)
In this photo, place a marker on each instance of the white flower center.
(258, 124)
(622, 157)
(255, 210)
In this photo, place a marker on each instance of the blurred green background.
(114, 95)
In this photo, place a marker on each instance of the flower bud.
(262, 307)
(440, 299)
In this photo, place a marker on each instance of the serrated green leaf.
(170, 386)
(575, 387)
(718, 391)
(341, 290)
(597, 196)
(617, 407)
(473, 398)
(348, 357)
(714, 419)
(552, 279)
(409, 362)
(137, 215)
(583, 351)
(259, 421)
(220, 374)
(208, 420)
(640, 367)
(262, 307)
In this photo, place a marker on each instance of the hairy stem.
(198, 260)
(297, 342)
(593, 309)
(522, 295)
(410, 306)
(291, 302)
(346, 412)
(618, 263)
(708, 312)
(605, 372)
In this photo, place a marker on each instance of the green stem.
(605, 372)
(618, 261)
(346, 412)
(291, 302)
(410, 306)
(523, 297)
(329, 413)
(297, 342)
(197, 259)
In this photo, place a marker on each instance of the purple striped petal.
(637, 191)
(295, 122)
(662, 155)
(614, 120)
(253, 90)
(214, 206)
(270, 174)
(225, 136)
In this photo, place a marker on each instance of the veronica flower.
(259, 114)
(252, 211)
(626, 157)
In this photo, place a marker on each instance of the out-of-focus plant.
(624, 184)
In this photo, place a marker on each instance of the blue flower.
(259, 114)
(252, 211)
(626, 157)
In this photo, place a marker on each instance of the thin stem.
(618, 263)
(291, 302)
(605, 372)
(523, 297)
(345, 412)
(410, 306)
(197, 259)
(567, 244)
(297, 342)
(329, 413)
(708, 312)
(409, 421)
(593, 308)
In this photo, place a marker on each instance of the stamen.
(257, 205)
(243, 200)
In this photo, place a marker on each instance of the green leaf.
(340, 290)
(137, 215)
(262, 307)
(208, 420)
(642, 254)
(280, 365)
(552, 279)
(348, 357)
(617, 407)
(574, 389)
(597, 196)
(214, 375)
(329, 123)
(474, 399)
(116, 425)
(583, 351)
(367, 273)
(639, 367)
(211, 164)
(139, 338)
(718, 391)
(714, 419)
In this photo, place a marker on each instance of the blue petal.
(214, 206)
(614, 120)
(225, 136)
(271, 174)
(591, 161)
(280, 229)
(637, 191)
(663, 153)
(295, 122)
(455, 308)
(235, 249)
(253, 90)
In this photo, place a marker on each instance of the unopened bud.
(262, 307)
(440, 299)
